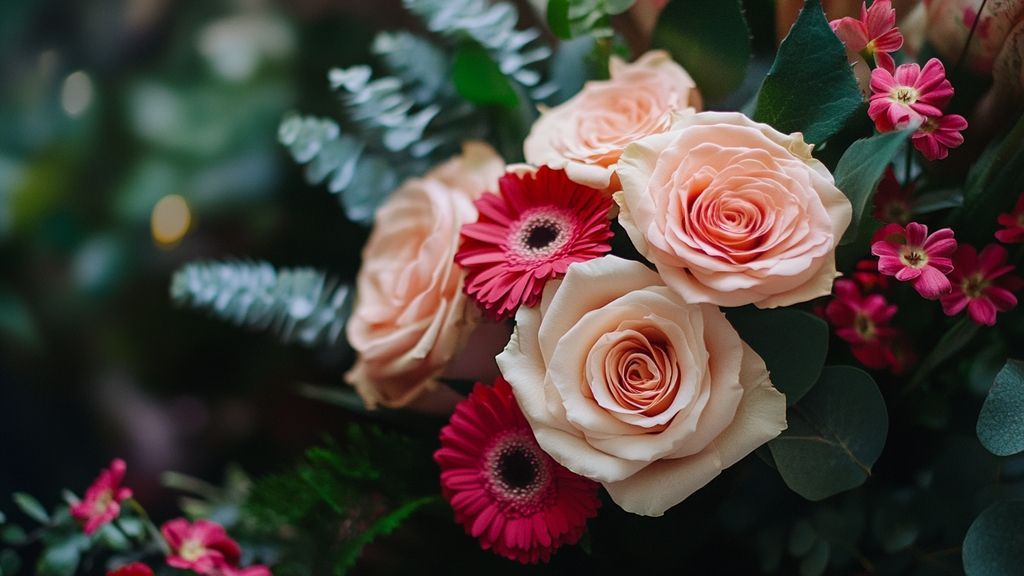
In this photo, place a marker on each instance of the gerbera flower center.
(540, 234)
(913, 257)
(905, 95)
(517, 469)
(974, 286)
(191, 550)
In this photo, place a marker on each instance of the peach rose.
(585, 135)
(411, 315)
(625, 383)
(733, 212)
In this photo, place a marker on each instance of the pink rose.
(624, 382)
(411, 315)
(586, 135)
(733, 212)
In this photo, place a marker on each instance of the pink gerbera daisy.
(504, 489)
(912, 255)
(937, 135)
(102, 502)
(529, 233)
(201, 546)
(982, 283)
(863, 322)
(1013, 223)
(874, 35)
(909, 95)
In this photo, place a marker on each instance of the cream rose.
(585, 135)
(411, 315)
(625, 383)
(733, 212)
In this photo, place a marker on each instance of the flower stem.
(970, 36)
(154, 532)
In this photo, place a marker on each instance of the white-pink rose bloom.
(586, 135)
(733, 212)
(411, 315)
(624, 382)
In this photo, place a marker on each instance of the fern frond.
(386, 524)
(493, 26)
(300, 305)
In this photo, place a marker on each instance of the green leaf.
(10, 563)
(810, 87)
(948, 346)
(1001, 422)
(478, 78)
(794, 362)
(382, 527)
(710, 39)
(558, 18)
(993, 543)
(998, 179)
(12, 535)
(938, 200)
(61, 558)
(836, 433)
(801, 539)
(3, 518)
(31, 507)
(861, 168)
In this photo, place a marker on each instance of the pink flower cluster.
(102, 502)
(902, 96)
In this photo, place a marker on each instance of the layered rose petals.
(912, 255)
(625, 382)
(909, 95)
(102, 502)
(528, 233)
(733, 212)
(503, 488)
(586, 135)
(982, 283)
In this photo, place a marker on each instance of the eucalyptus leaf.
(951, 343)
(810, 87)
(479, 79)
(794, 362)
(13, 535)
(1001, 422)
(801, 538)
(710, 39)
(993, 546)
(836, 433)
(61, 557)
(937, 200)
(860, 170)
(31, 507)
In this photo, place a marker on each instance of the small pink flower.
(102, 502)
(982, 283)
(133, 569)
(1013, 233)
(254, 570)
(937, 135)
(866, 275)
(874, 35)
(892, 201)
(908, 96)
(863, 321)
(912, 255)
(201, 546)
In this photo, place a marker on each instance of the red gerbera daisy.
(504, 489)
(529, 233)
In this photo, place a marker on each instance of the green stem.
(154, 532)
(970, 36)
(909, 164)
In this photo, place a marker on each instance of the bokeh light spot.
(170, 220)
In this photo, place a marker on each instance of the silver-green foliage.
(300, 305)
(493, 25)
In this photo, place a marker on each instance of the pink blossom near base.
(982, 283)
(863, 321)
(201, 546)
(908, 95)
(874, 34)
(102, 501)
(1012, 223)
(937, 136)
(912, 255)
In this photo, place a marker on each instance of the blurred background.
(137, 135)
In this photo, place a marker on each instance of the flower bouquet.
(640, 288)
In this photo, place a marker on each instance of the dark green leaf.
(816, 561)
(794, 362)
(382, 527)
(949, 345)
(10, 563)
(1001, 422)
(558, 18)
(31, 507)
(61, 558)
(710, 39)
(810, 87)
(478, 78)
(997, 180)
(938, 200)
(835, 434)
(993, 544)
(12, 535)
(861, 168)
(3, 518)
